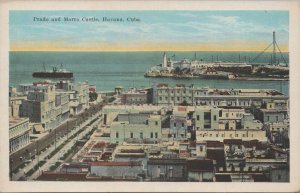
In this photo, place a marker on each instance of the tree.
(184, 103)
(93, 96)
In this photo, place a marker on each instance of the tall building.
(78, 95)
(45, 106)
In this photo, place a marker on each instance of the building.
(200, 170)
(181, 123)
(111, 112)
(78, 95)
(163, 94)
(136, 128)
(134, 96)
(278, 133)
(45, 106)
(116, 170)
(167, 169)
(274, 111)
(127, 153)
(216, 124)
(18, 133)
(82, 92)
(15, 102)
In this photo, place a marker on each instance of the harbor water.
(106, 70)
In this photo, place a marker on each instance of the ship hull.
(52, 74)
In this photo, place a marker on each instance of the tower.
(164, 60)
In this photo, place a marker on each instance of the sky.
(155, 31)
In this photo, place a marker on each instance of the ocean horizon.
(107, 70)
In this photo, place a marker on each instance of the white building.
(213, 123)
(163, 94)
(45, 106)
(135, 128)
(18, 133)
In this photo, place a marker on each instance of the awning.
(39, 128)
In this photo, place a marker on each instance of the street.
(30, 151)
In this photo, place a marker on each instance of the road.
(82, 129)
(28, 152)
(60, 153)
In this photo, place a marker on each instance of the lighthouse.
(164, 65)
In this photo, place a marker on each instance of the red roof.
(180, 108)
(92, 89)
(215, 144)
(162, 85)
(36, 83)
(180, 85)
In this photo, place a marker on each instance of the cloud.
(188, 15)
(225, 19)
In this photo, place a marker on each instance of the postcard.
(149, 96)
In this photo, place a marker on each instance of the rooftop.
(16, 120)
(112, 164)
(200, 165)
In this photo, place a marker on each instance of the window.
(207, 126)
(226, 114)
(160, 98)
(117, 135)
(217, 135)
(182, 124)
(175, 124)
(207, 115)
(156, 135)
(201, 148)
(276, 118)
(141, 135)
(236, 135)
(215, 117)
(156, 123)
(198, 117)
(151, 135)
(178, 98)
(244, 135)
(131, 135)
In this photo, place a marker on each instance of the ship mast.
(273, 55)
